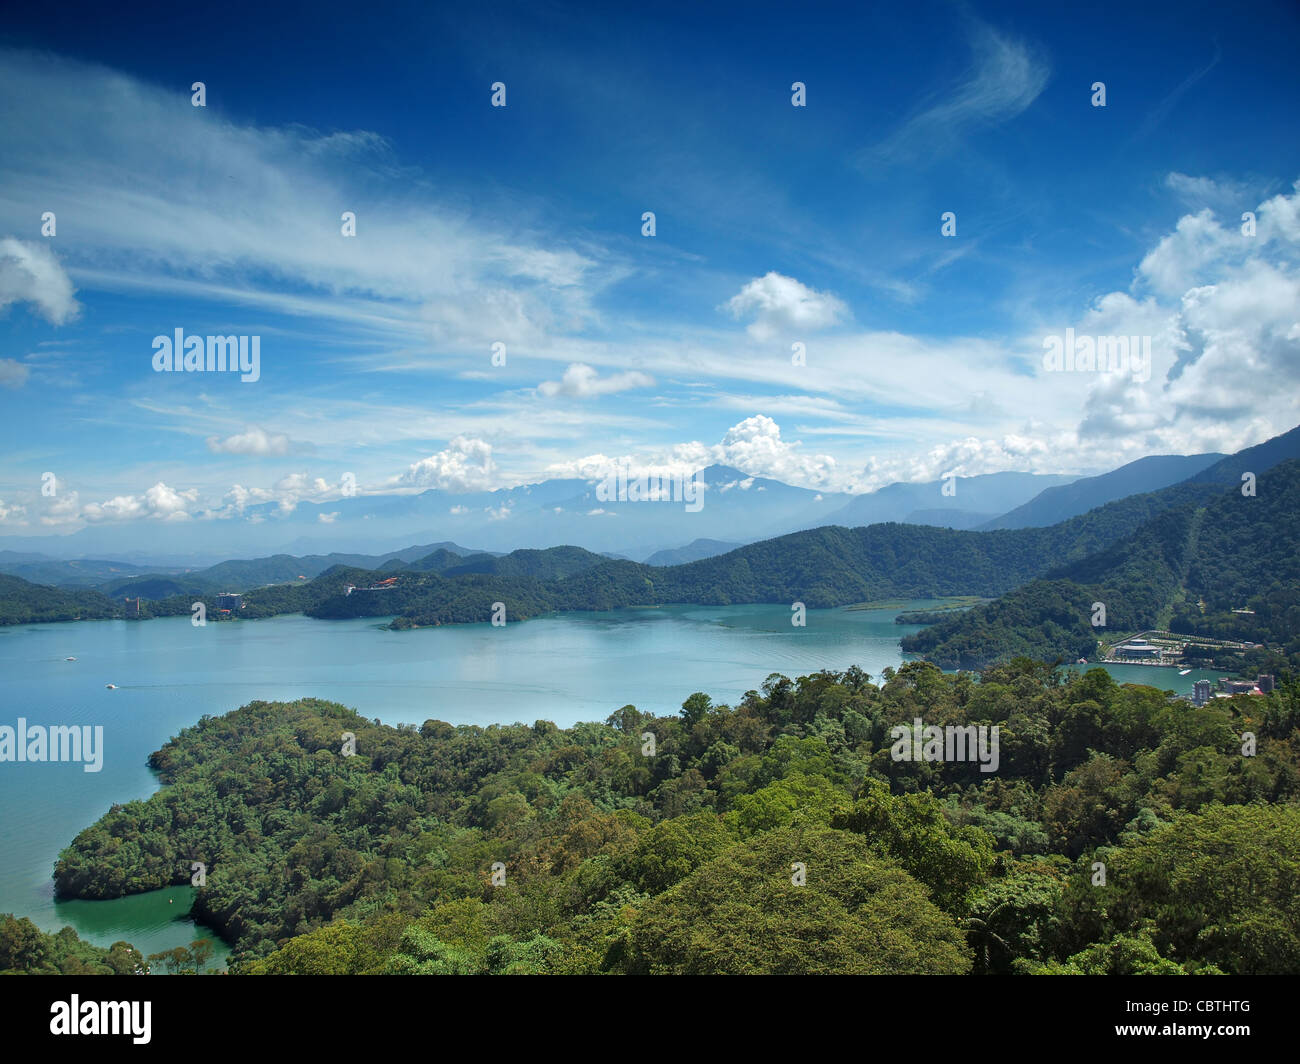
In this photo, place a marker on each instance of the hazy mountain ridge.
(823, 567)
(691, 552)
(1067, 500)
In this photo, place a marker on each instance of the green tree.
(741, 913)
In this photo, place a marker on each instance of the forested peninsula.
(776, 835)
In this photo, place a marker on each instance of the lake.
(566, 668)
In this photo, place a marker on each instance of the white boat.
(69, 659)
(111, 686)
(1183, 672)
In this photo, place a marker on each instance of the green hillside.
(1189, 568)
(22, 602)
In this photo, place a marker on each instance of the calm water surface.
(566, 668)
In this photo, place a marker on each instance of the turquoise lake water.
(567, 668)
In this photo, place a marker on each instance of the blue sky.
(775, 225)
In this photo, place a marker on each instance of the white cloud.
(159, 502)
(753, 446)
(580, 381)
(253, 440)
(1185, 257)
(1223, 195)
(781, 305)
(286, 493)
(465, 465)
(1226, 370)
(1006, 76)
(13, 374)
(211, 214)
(63, 508)
(29, 273)
(327, 519)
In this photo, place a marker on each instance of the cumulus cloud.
(29, 273)
(11, 513)
(1198, 246)
(253, 441)
(465, 465)
(780, 305)
(327, 518)
(159, 503)
(965, 457)
(754, 446)
(290, 490)
(1223, 317)
(286, 493)
(63, 508)
(580, 381)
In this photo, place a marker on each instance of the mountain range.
(1158, 557)
(363, 528)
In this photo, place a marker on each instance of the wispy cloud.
(1006, 76)
(1161, 110)
(253, 214)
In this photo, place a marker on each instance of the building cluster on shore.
(1203, 691)
(229, 603)
(383, 585)
(1164, 648)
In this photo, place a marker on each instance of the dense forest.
(1122, 833)
(27, 950)
(22, 602)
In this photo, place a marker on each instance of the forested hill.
(822, 567)
(527, 848)
(1186, 569)
(22, 602)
